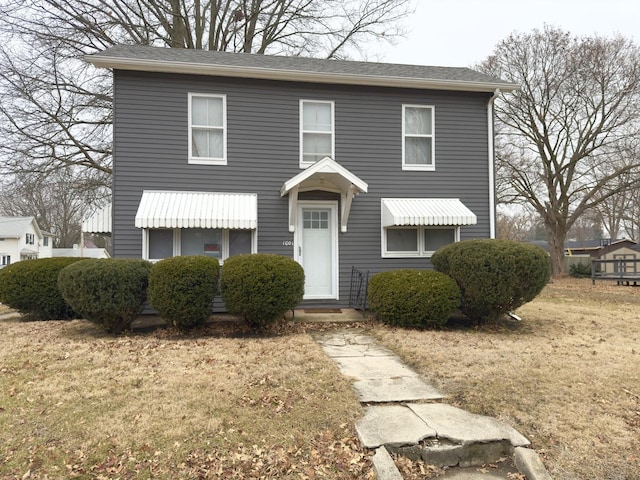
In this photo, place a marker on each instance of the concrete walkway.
(405, 414)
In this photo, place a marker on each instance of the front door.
(316, 248)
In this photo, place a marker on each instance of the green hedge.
(110, 292)
(261, 287)
(494, 276)
(413, 298)
(31, 287)
(182, 289)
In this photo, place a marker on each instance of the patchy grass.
(215, 403)
(567, 376)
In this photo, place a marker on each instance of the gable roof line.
(301, 69)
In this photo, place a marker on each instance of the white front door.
(317, 248)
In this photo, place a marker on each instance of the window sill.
(207, 161)
(419, 168)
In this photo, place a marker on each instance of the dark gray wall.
(263, 130)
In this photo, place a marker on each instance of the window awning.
(327, 175)
(162, 209)
(99, 222)
(425, 211)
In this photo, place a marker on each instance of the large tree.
(55, 110)
(568, 136)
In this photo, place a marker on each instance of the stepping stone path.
(397, 419)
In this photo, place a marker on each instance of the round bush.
(494, 276)
(31, 287)
(110, 292)
(261, 287)
(413, 298)
(182, 289)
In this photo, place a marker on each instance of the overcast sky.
(461, 33)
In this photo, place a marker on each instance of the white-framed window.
(416, 241)
(317, 138)
(45, 241)
(5, 260)
(418, 142)
(219, 243)
(30, 239)
(207, 129)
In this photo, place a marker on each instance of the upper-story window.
(316, 131)
(418, 146)
(30, 239)
(207, 129)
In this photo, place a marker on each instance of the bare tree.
(578, 106)
(55, 110)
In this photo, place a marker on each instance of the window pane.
(402, 240)
(201, 241)
(417, 151)
(434, 238)
(316, 116)
(206, 111)
(417, 121)
(207, 143)
(160, 244)
(316, 146)
(239, 242)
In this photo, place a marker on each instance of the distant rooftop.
(301, 69)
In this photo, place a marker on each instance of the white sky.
(461, 33)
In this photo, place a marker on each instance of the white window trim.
(421, 252)
(304, 164)
(177, 244)
(424, 168)
(209, 160)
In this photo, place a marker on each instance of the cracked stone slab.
(363, 368)
(343, 337)
(395, 389)
(392, 425)
(464, 427)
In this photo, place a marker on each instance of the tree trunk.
(556, 251)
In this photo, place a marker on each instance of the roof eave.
(119, 63)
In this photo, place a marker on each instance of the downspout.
(492, 166)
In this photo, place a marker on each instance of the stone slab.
(362, 368)
(351, 350)
(393, 425)
(530, 463)
(464, 427)
(396, 389)
(384, 466)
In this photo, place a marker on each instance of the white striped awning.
(162, 209)
(99, 222)
(425, 211)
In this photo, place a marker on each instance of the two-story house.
(22, 239)
(333, 163)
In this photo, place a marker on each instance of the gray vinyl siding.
(151, 150)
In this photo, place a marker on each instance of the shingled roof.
(301, 69)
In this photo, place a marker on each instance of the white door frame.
(298, 247)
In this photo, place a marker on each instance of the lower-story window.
(213, 242)
(417, 241)
(5, 260)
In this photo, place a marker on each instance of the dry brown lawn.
(217, 403)
(220, 403)
(567, 376)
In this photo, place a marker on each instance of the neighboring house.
(606, 249)
(333, 163)
(22, 239)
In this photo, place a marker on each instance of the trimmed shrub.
(494, 276)
(580, 270)
(110, 292)
(182, 289)
(261, 287)
(413, 298)
(31, 287)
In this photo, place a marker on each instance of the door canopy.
(329, 176)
